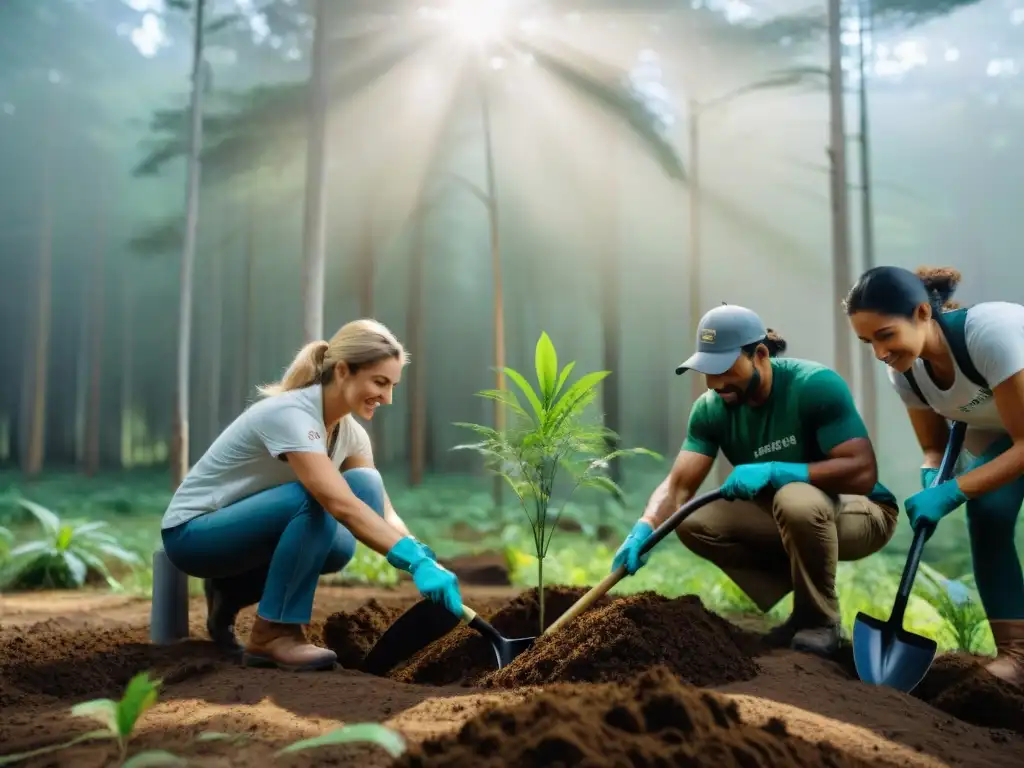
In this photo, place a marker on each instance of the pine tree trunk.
(417, 338)
(180, 438)
(93, 421)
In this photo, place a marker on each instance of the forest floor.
(637, 680)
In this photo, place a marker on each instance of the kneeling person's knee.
(367, 484)
(801, 504)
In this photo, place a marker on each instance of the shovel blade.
(886, 654)
(414, 630)
(508, 650)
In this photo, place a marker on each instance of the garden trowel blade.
(414, 630)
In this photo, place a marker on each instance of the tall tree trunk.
(417, 337)
(216, 335)
(840, 208)
(315, 229)
(868, 383)
(246, 363)
(496, 266)
(127, 370)
(367, 308)
(94, 418)
(611, 316)
(180, 438)
(37, 425)
(82, 368)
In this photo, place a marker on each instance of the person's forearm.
(664, 501)
(852, 475)
(366, 525)
(1003, 469)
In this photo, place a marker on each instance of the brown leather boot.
(1009, 663)
(285, 646)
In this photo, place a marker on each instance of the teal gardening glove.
(434, 582)
(628, 554)
(930, 505)
(928, 475)
(748, 480)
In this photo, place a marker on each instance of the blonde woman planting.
(284, 493)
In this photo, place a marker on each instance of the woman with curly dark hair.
(959, 364)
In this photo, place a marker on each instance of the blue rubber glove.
(435, 582)
(928, 475)
(932, 504)
(748, 480)
(628, 554)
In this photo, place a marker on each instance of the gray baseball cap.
(721, 334)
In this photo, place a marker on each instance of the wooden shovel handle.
(587, 600)
(616, 576)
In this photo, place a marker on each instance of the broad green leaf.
(5, 534)
(89, 527)
(98, 565)
(524, 385)
(32, 548)
(76, 567)
(153, 758)
(506, 397)
(118, 553)
(101, 710)
(385, 738)
(563, 377)
(64, 537)
(572, 401)
(140, 695)
(546, 363)
(46, 518)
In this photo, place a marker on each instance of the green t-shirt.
(810, 411)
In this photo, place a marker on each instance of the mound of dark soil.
(351, 635)
(45, 659)
(960, 685)
(655, 720)
(630, 635)
(463, 656)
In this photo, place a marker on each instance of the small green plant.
(373, 733)
(63, 558)
(6, 539)
(953, 600)
(547, 437)
(118, 719)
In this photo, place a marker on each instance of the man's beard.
(744, 394)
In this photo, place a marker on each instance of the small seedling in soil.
(548, 436)
(952, 599)
(67, 554)
(119, 719)
(385, 738)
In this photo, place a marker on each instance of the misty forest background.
(602, 171)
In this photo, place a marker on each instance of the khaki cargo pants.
(790, 540)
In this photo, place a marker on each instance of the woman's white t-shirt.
(245, 458)
(994, 334)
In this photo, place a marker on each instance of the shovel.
(427, 621)
(884, 653)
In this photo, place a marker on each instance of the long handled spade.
(427, 621)
(884, 653)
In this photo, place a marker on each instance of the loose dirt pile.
(656, 720)
(352, 635)
(959, 684)
(464, 657)
(630, 635)
(612, 641)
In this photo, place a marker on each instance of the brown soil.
(57, 649)
(653, 720)
(620, 639)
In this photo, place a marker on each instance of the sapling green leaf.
(533, 451)
(385, 738)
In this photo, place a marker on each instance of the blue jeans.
(271, 547)
(991, 520)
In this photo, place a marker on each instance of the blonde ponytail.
(305, 370)
(356, 344)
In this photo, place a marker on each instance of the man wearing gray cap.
(804, 491)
